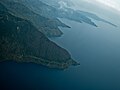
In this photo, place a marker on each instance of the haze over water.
(98, 50)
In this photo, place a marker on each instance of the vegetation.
(22, 42)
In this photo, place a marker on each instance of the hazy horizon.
(102, 3)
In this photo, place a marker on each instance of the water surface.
(97, 49)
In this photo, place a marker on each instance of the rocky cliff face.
(22, 42)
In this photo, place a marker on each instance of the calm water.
(98, 51)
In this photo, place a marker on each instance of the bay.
(96, 48)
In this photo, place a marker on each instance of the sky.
(113, 4)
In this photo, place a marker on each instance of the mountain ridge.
(50, 28)
(76, 15)
(20, 41)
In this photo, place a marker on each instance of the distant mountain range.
(75, 15)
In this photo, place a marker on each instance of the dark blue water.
(98, 51)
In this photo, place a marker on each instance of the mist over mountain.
(71, 12)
